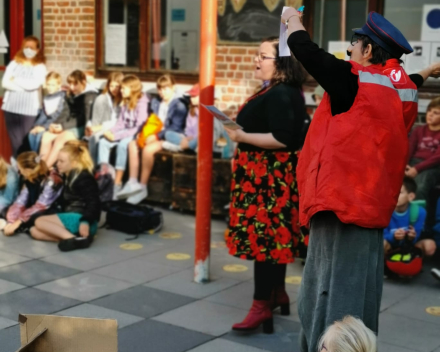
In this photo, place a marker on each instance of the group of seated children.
(60, 204)
(74, 134)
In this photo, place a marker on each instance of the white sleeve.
(6, 81)
(35, 83)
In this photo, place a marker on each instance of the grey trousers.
(343, 276)
(18, 127)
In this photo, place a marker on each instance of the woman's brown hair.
(79, 153)
(287, 69)
(118, 78)
(134, 83)
(31, 161)
(38, 59)
(3, 173)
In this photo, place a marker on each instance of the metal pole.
(208, 41)
(321, 24)
(343, 19)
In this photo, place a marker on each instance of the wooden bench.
(174, 178)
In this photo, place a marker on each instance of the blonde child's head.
(348, 335)
(3, 173)
(131, 90)
(32, 167)
(74, 156)
(53, 82)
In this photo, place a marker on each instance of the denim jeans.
(35, 141)
(176, 138)
(105, 147)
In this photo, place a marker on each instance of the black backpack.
(133, 219)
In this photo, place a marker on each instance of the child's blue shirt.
(402, 220)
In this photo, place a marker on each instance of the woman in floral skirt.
(264, 198)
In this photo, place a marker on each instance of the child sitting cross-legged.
(404, 225)
(8, 189)
(76, 226)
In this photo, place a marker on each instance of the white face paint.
(29, 53)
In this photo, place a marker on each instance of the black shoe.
(74, 243)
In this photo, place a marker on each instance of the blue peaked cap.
(385, 34)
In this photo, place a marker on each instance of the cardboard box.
(48, 333)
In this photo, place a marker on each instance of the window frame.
(143, 72)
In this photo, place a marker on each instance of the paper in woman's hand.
(225, 120)
(283, 47)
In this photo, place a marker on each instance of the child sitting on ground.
(402, 226)
(348, 335)
(8, 189)
(76, 226)
(40, 191)
(424, 152)
(55, 108)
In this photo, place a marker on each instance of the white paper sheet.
(283, 47)
(435, 52)
(419, 59)
(225, 120)
(116, 44)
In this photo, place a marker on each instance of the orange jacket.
(353, 163)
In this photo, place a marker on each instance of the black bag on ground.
(133, 219)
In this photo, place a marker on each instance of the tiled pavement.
(159, 308)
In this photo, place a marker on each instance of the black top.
(80, 110)
(334, 75)
(81, 195)
(279, 111)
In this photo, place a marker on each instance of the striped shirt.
(24, 92)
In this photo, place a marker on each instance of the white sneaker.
(116, 190)
(436, 273)
(129, 189)
(171, 147)
(138, 197)
(3, 224)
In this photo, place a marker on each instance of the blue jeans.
(176, 138)
(35, 141)
(105, 147)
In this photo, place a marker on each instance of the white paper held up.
(283, 47)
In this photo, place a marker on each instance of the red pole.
(208, 42)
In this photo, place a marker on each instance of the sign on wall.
(431, 23)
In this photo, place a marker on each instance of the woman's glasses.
(260, 57)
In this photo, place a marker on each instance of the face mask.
(29, 53)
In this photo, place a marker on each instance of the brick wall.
(69, 35)
(235, 76)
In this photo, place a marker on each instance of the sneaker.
(3, 224)
(75, 243)
(116, 190)
(138, 197)
(130, 188)
(436, 273)
(171, 147)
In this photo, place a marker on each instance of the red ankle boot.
(260, 313)
(281, 299)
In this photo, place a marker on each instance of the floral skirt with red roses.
(264, 220)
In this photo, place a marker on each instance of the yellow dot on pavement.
(170, 235)
(235, 268)
(178, 256)
(433, 311)
(294, 280)
(131, 246)
(219, 244)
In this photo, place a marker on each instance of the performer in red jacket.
(350, 170)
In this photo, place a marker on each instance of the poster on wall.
(419, 59)
(116, 44)
(435, 52)
(431, 23)
(339, 49)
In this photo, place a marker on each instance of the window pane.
(4, 30)
(175, 34)
(121, 37)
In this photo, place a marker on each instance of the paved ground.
(157, 306)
